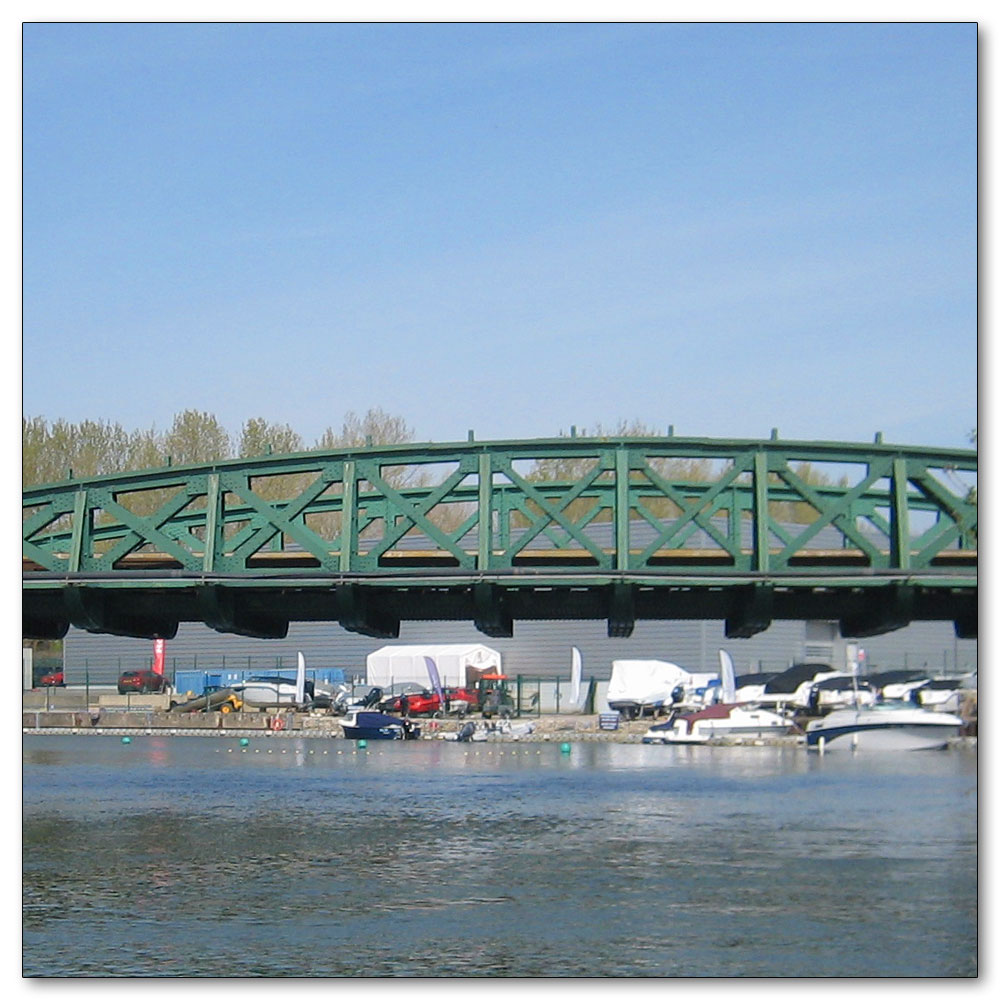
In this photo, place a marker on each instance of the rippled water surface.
(192, 856)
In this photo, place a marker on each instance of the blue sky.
(508, 228)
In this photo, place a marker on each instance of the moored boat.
(364, 725)
(720, 722)
(883, 727)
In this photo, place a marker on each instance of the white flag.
(300, 681)
(575, 675)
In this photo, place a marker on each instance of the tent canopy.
(454, 661)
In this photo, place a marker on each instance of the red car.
(141, 681)
(55, 678)
(426, 702)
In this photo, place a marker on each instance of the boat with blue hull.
(364, 725)
(883, 727)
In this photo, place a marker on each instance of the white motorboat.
(501, 730)
(266, 691)
(886, 726)
(898, 685)
(721, 722)
(942, 694)
(795, 686)
(840, 691)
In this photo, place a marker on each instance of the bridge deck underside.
(142, 605)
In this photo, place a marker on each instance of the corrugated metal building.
(537, 649)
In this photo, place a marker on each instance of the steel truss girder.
(327, 513)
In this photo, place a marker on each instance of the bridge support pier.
(887, 609)
(223, 612)
(491, 615)
(967, 627)
(753, 609)
(357, 613)
(98, 611)
(621, 613)
(43, 628)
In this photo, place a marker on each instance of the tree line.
(52, 451)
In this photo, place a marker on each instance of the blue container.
(197, 680)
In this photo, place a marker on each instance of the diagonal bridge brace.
(552, 512)
(281, 521)
(836, 513)
(415, 512)
(698, 512)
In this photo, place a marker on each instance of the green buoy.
(126, 739)
(564, 747)
(244, 742)
(362, 744)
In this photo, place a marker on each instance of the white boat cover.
(644, 681)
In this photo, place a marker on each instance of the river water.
(194, 856)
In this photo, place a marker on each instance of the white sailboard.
(727, 675)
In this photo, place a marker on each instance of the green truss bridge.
(873, 535)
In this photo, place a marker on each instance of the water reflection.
(613, 859)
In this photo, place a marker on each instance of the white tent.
(400, 664)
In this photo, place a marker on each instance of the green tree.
(258, 437)
(145, 450)
(90, 448)
(376, 427)
(196, 437)
(36, 455)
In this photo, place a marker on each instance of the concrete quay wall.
(554, 728)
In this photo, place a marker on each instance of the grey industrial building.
(537, 649)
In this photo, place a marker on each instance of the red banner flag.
(159, 655)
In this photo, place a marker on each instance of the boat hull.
(377, 726)
(737, 725)
(708, 735)
(887, 730)
(383, 733)
(721, 722)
